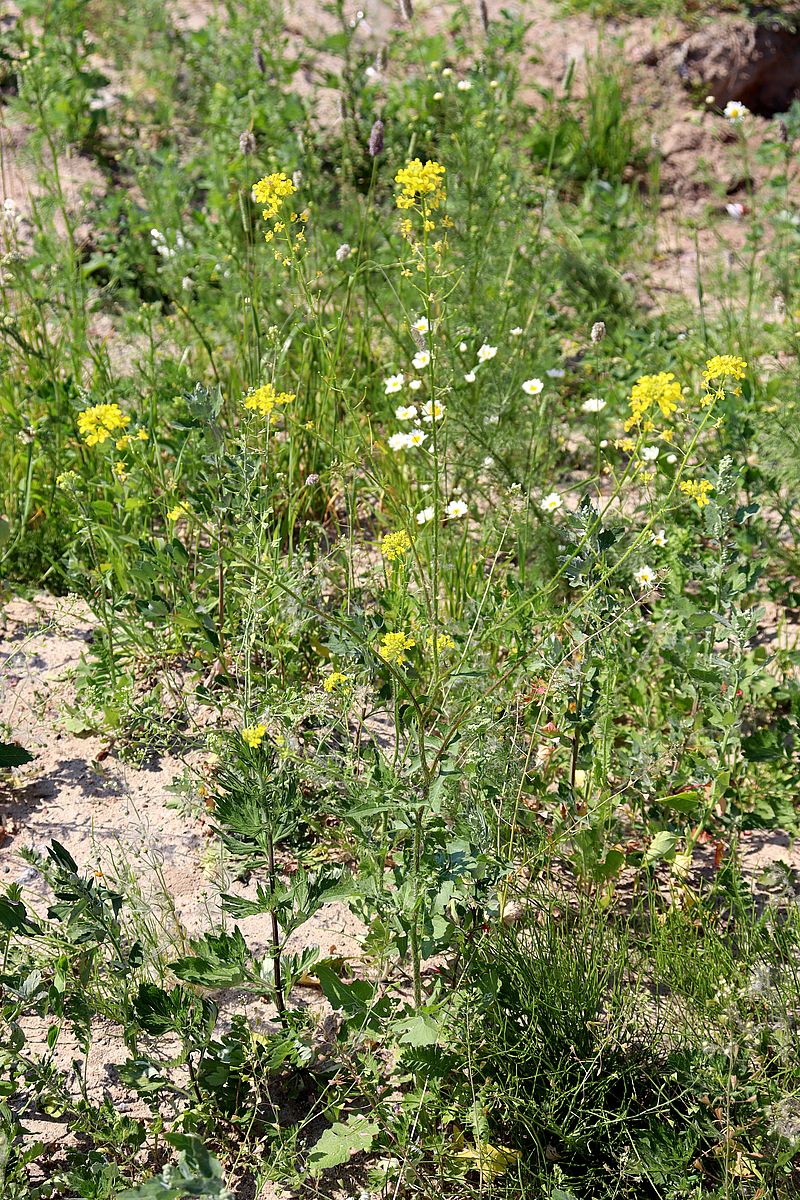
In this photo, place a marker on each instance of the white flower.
(438, 95)
(555, 373)
(486, 352)
(425, 515)
(604, 444)
(488, 461)
(394, 383)
(432, 411)
(463, 85)
(658, 537)
(735, 210)
(447, 72)
(672, 458)
(415, 384)
(420, 325)
(551, 502)
(344, 251)
(421, 359)
(187, 283)
(399, 441)
(417, 437)
(736, 111)
(645, 577)
(463, 347)
(532, 387)
(516, 331)
(469, 377)
(456, 508)
(595, 404)
(406, 412)
(650, 453)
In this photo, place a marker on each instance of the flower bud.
(598, 331)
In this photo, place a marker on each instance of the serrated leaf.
(339, 1143)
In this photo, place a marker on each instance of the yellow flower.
(337, 679)
(253, 735)
(662, 389)
(97, 424)
(722, 365)
(442, 641)
(271, 191)
(697, 490)
(265, 399)
(121, 471)
(124, 441)
(395, 545)
(417, 181)
(394, 645)
(180, 510)
(142, 435)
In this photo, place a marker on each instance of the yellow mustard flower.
(724, 365)
(697, 490)
(253, 735)
(97, 424)
(120, 470)
(395, 545)
(418, 182)
(393, 647)
(264, 399)
(442, 641)
(662, 389)
(335, 681)
(179, 510)
(272, 191)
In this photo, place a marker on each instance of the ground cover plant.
(455, 576)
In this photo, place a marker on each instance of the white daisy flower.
(645, 577)
(394, 383)
(415, 384)
(420, 325)
(432, 411)
(406, 412)
(469, 377)
(456, 508)
(425, 515)
(595, 404)
(463, 85)
(736, 111)
(486, 352)
(399, 441)
(659, 537)
(421, 359)
(551, 502)
(533, 387)
(417, 437)
(650, 453)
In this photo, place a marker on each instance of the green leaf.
(420, 1029)
(340, 1142)
(662, 845)
(12, 755)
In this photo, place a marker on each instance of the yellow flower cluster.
(272, 191)
(418, 182)
(264, 399)
(394, 645)
(395, 545)
(722, 365)
(97, 424)
(141, 435)
(442, 641)
(697, 490)
(337, 679)
(253, 735)
(181, 509)
(662, 390)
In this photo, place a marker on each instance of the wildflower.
(253, 735)
(697, 490)
(533, 387)
(722, 365)
(336, 679)
(142, 435)
(598, 331)
(344, 251)
(417, 437)
(486, 352)
(181, 509)
(421, 359)
(123, 442)
(399, 441)
(462, 347)
(425, 515)
(66, 480)
(438, 95)
(442, 641)
(415, 384)
(98, 423)
(488, 461)
(551, 502)
(456, 509)
(421, 325)
(393, 647)
(264, 399)
(469, 377)
(650, 453)
(555, 373)
(645, 577)
(595, 404)
(247, 142)
(463, 85)
(395, 545)
(735, 111)
(406, 412)
(375, 145)
(672, 458)
(121, 471)
(516, 331)
(417, 182)
(272, 191)
(662, 389)
(432, 411)
(658, 537)
(394, 383)
(312, 480)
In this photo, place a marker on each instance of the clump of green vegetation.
(353, 430)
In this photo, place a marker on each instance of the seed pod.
(376, 139)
